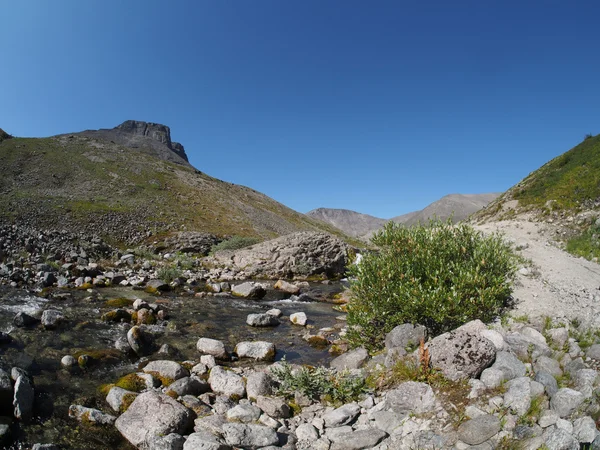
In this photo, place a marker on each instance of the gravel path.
(558, 284)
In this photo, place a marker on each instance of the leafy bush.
(168, 273)
(234, 243)
(440, 276)
(318, 383)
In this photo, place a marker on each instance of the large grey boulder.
(565, 401)
(259, 383)
(559, 439)
(548, 381)
(518, 395)
(275, 407)
(261, 320)
(405, 336)
(212, 347)
(479, 429)
(249, 436)
(153, 414)
(226, 382)
(258, 350)
(293, 255)
(171, 441)
(461, 354)
(358, 440)
(353, 359)
(584, 430)
(139, 340)
(244, 413)
(548, 364)
(411, 396)
(249, 290)
(166, 370)
(23, 399)
(341, 416)
(188, 386)
(52, 318)
(526, 347)
(509, 365)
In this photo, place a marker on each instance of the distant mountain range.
(455, 206)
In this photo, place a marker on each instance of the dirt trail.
(558, 285)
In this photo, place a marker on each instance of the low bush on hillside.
(586, 243)
(234, 243)
(440, 276)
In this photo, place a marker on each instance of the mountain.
(127, 184)
(350, 222)
(457, 206)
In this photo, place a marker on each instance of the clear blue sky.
(381, 107)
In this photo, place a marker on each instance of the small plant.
(533, 413)
(318, 383)
(168, 273)
(440, 276)
(234, 243)
(586, 243)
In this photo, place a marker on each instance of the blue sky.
(380, 107)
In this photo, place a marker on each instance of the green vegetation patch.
(586, 243)
(234, 243)
(440, 276)
(318, 383)
(570, 180)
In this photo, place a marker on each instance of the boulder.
(359, 439)
(293, 255)
(548, 364)
(212, 347)
(203, 440)
(479, 430)
(518, 395)
(249, 436)
(23, 399)
(258, 350)
(22, 320)
(250, 290)
(262, 320)
(158, 285)
(405, 336)
(244, 413)
(284, 286)
(259, 383)
(353, 359)
(548, 381)
(341, 416)
(51, 318)
(226, 382)
(460, 354)
(87, 415)
(166, 370)
(188, 386)
(559, 439)
(275, 407)
(153, 414)
(509, 365)
(119, 399)
(138, 340)
(171, 441)
(565, 401)
(411, 396)
(299, 318)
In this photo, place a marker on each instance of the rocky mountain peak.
(155, 131)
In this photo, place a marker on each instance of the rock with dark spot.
(460, 354)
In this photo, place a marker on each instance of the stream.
(220, 317)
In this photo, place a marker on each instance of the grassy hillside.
(123, 193)
(571, 181)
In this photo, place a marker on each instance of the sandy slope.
(559, 285)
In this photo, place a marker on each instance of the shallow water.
(190, 318)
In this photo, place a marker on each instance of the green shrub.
(318, 383)
(168, 273)
(234, 243)
(440, 276)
